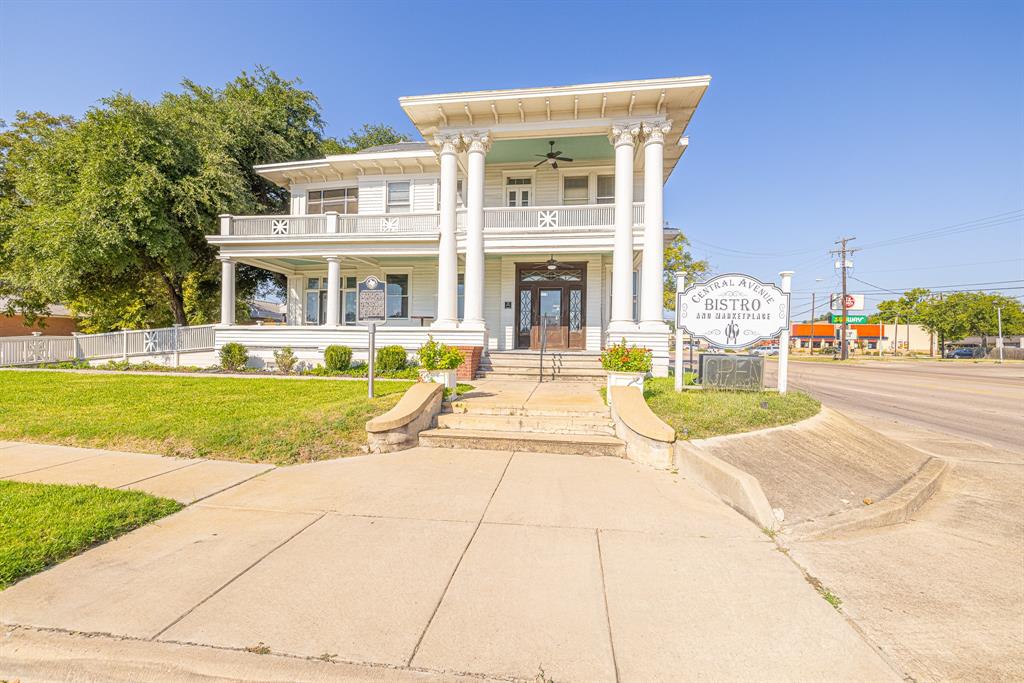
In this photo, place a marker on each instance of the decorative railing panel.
(278, 226)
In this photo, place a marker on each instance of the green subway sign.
(850, 319)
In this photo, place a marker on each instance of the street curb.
(893, 509)
(738, 489)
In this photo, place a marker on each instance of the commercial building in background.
(865, 337)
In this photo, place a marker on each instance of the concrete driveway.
(432, 564)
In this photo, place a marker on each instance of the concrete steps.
(533, 424)
(480, 439)
(527, 366)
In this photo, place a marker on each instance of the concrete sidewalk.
(435, 563)
(183, 479)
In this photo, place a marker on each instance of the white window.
(518, 191)
(397, 295)
(316, 300)
(348, 300)
(575, 189)
(605, 189)
(342, 200)
(398, 197)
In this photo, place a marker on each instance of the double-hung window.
(575, 189)
(398, 197)
(605, 189)
(348, 298)
(343, 200)
(397, 295)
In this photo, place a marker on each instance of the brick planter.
(471, 363)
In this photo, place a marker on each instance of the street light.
(814, 294)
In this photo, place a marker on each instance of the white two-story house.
(522, 207)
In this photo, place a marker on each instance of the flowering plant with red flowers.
(622, 358)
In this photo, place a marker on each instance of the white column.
(680, 374)
(652, 282)
(333, 291)
(227, 291)
(447, 258)
(787, 283)
(478, 144)
(623, 137)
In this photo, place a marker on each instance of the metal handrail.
(543, 345)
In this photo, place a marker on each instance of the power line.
(995, 220)
(951, 265)
(934, 287)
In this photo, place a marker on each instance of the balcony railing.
(516, 218)
(496, 219)
(328, 224)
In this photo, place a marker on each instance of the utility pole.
(811, 351)
(842, 253)
(999, 320)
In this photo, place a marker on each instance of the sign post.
(680, 375)
(371, 308)
(783, 379)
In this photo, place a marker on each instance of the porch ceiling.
(583, 148)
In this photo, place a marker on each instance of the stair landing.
(543, 417)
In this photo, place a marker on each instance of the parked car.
(766, 351)
(961, 353)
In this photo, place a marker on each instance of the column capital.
(477, 141)
(624, 133)
(655, 131)
(225, 259)
(450, 143)
(332, 259)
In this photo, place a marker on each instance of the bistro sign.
(732, 311)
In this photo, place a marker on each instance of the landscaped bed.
(260, 419)
(702, 413)
(42, 524)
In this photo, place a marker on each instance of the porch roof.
(413, 159)
(563, 111)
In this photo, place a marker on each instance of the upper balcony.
(524, 219)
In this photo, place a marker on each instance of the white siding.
(371, 195)
(492, 301)
(424, 194)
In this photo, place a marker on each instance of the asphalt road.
(977, 401)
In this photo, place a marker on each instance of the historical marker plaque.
(371, 301)
(731, 371)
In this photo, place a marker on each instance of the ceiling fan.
(552, 156)
(553, 264)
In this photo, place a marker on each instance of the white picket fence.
(125, 344)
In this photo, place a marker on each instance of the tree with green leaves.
(678, 258)
(109, 214)
(907, 309)
(369, 135)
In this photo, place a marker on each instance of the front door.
(550, 303)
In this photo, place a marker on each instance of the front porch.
(566, 297)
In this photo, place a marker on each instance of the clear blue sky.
(823, 119)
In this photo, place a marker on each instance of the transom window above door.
(518, 191)
(342, 200)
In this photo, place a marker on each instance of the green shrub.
(622, 358)
(337, 358)
(285, 359)
(437, 356)
(233, 356)
(391, 359)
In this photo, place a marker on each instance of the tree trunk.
(176, 299)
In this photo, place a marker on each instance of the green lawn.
(698, 414)
(42, 524)
(262, 419)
